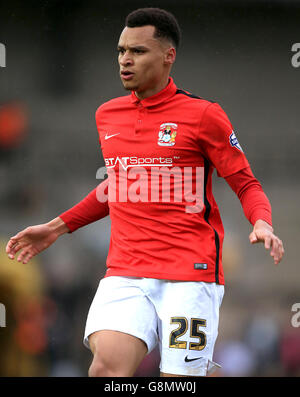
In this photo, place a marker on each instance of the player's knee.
(99, 368)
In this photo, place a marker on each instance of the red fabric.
(251, 195)
(88, 210)
(161, 239)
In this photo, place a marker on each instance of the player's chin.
(129, 85)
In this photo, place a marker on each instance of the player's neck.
(153, 90)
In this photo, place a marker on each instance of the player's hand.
(263, 233)
(35, 239)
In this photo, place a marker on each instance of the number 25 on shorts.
(194, 333)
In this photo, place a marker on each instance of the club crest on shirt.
(234, 141)
(167, 134)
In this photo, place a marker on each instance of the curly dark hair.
(166, 25)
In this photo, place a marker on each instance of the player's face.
(144, 61)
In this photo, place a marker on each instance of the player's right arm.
(35, 239)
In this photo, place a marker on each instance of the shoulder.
(192, 98)
(193, 101)
(207, 109)
(113, 104)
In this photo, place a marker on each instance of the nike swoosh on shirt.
(186, 359)
(110, 136)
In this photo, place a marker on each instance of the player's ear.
(170, 55)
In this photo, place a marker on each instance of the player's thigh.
(189, 316)
(121, 323)
(116, 353)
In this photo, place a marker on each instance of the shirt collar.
(161, 96)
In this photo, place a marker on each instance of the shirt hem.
(164, 276)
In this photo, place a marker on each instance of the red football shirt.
(160, 154)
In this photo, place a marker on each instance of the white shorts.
(181, 316)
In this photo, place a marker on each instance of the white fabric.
(144, 307)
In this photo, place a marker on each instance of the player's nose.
(126, 59)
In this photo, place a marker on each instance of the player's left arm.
(257, 210)
(263, 233)
(221, 147)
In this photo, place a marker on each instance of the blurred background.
(61, 64)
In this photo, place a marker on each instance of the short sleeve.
(219, 142)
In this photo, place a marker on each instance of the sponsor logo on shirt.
(167, 134)
(234, 141)
(133, 161)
